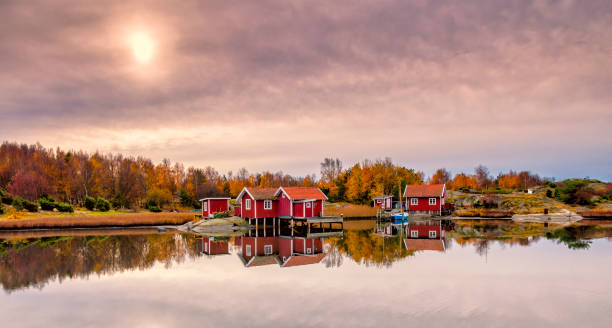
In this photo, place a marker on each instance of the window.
(205, 204)
(414, 201)
(378, 201)
(267, 204)
(205, 247)
(248, 250)
(414, 233)
(247, 204)
(284, 259)
(432, 201)
(308, 250)
(268, 250)
(307, 205)
(432, 234)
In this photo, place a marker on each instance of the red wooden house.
(212, 246)
(212, 205)
(425, 198)
(300, 202)
(258, 203)
(384, 202)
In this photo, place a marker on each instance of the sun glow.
(143, 47)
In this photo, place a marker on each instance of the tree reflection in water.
(33, 262)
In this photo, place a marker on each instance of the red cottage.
(383, 202)
(425, 198)
(211, 246)
(257, 203)
(211, 206)
(300, 202)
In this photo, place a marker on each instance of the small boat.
(397, 218)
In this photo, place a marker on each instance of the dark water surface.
(473, 274)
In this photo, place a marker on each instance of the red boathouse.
(211, 206)
(425, 198)
(257, 203)
(383, 202)
(300, 202)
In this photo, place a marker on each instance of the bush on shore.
(89, 203)
(102, 205)
(47, 204)
(20, 204)
(5, 198)
(63, 207)
(154, 208)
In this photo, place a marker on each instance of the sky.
(280, 85)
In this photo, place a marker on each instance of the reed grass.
(123, 220)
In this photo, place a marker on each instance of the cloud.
(429, 84)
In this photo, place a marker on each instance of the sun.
(143, 47)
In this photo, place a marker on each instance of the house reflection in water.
(215, 246)
(429, 235)
(426, 236)
(281, 248)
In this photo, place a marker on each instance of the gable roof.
(296, 260)
(435, 190)
(296, 193)
(258, 193)
(424, 245)
(382, 197)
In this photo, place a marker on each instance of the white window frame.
(308, 205)
(268, 250)
(247, 204)
(433, 201)
(414, 234)
(267, 204)
(432, 234)
(248, 250)
(414, 201)
(205, 206)
(308, 250)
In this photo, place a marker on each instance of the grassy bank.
(122, 220)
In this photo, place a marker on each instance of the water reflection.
(33, 262)
(30, 261)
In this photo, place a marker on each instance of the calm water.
(467, 275)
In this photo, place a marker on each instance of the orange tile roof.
(262, 193)
(296, 260)
(304, 193)
(424, 245)
(434, 190)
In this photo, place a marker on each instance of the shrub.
(1, 209)
(17, 203)
(102, 205)
(47, 204)
(89, 203)
(5, 198)
(20, 204)
(63, 207)
(154, 208)
(549, 193)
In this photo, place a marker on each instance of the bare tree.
(482, 176)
